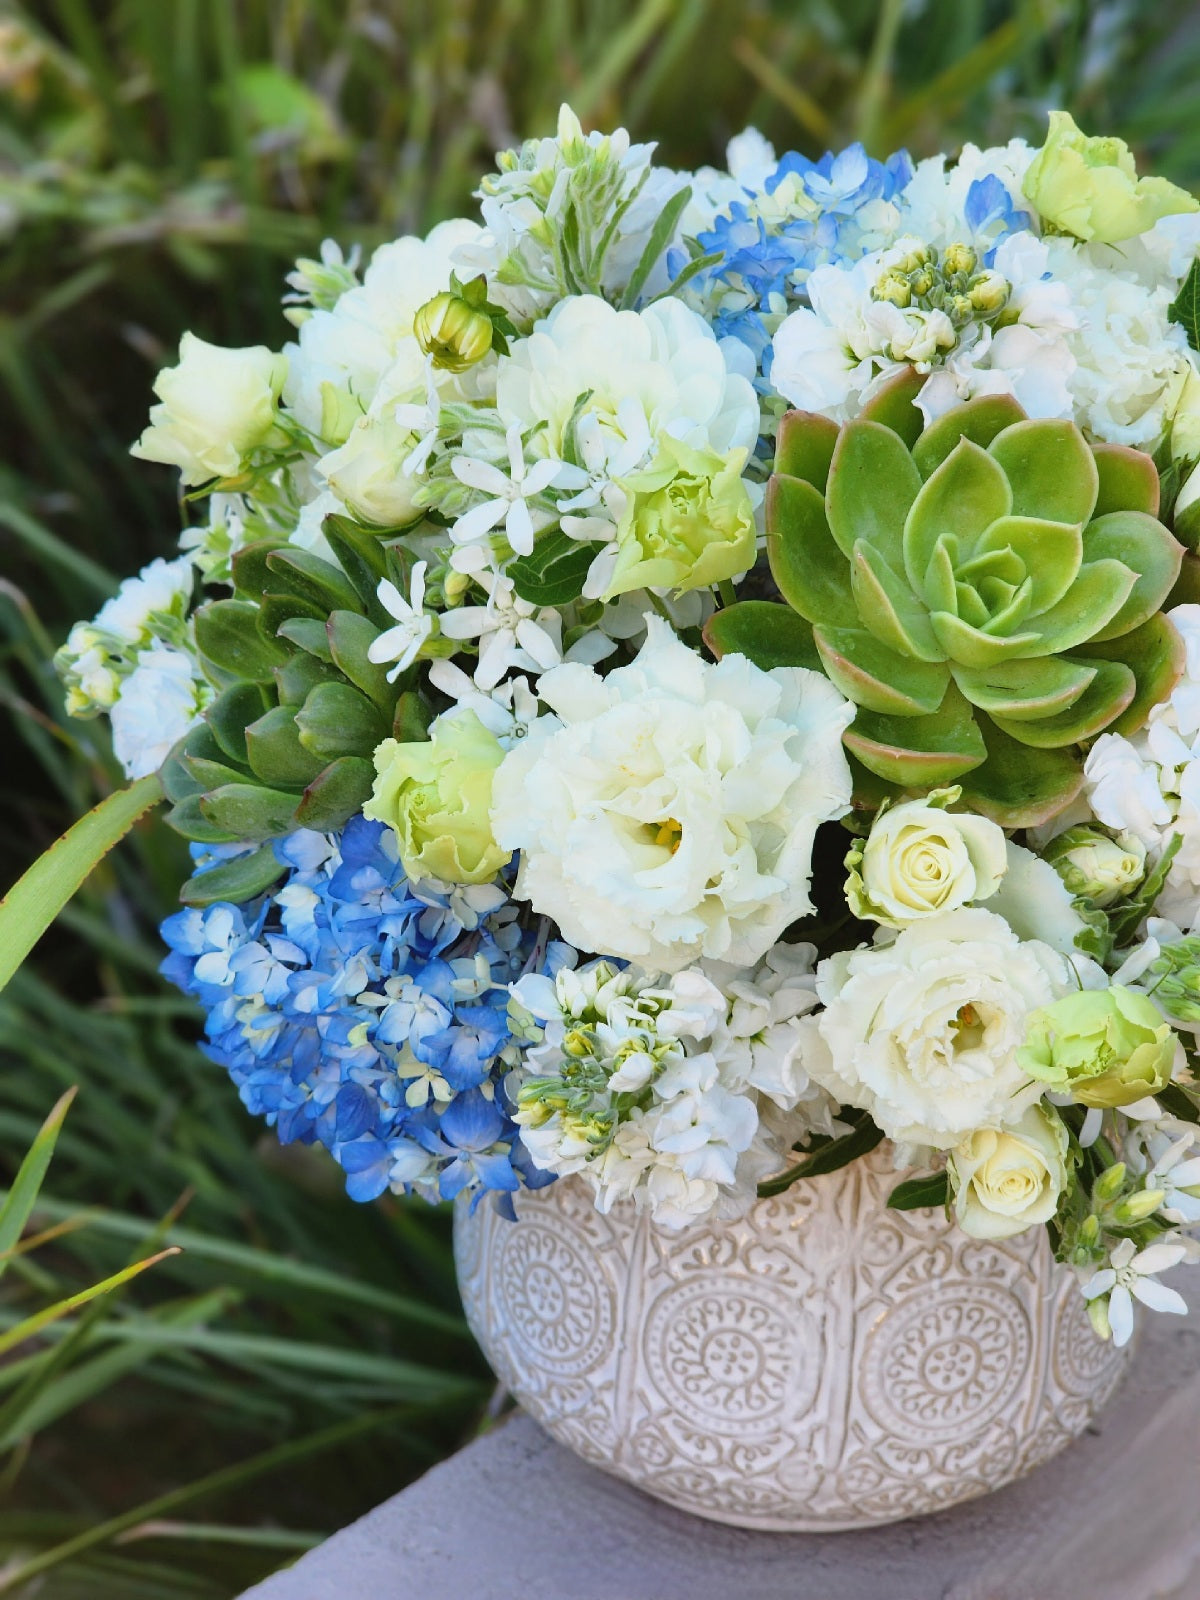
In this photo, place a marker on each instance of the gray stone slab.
(514, 1516)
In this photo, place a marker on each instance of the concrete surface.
(516, 1517)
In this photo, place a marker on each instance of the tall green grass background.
(299, 1358)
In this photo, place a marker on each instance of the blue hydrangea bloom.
(359, 1010)
(808, 214)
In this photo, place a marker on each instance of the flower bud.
(894, 288)
(960, 258)
(1097, 1311)
(922, 281)
(989, 292)
(1109, 1184)
(1095, 866)
(1136, 1208)
(452, 331)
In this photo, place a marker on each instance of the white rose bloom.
(667, 811)
(920, 859)
(159, 702)
(367, 473)
(217, 406)
(1149, 785)
(1006, 1180)
(923, 1032)
(352, 346)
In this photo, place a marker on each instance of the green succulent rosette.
(987, 591)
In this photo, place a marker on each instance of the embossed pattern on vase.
(823, 1363)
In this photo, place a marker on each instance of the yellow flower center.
(668, 833)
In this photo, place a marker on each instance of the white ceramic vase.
(824, 1363)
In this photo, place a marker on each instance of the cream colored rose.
(921, 859)
(1006, 1180)
(217, 406)
(367, 472)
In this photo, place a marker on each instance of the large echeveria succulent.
(988, 592)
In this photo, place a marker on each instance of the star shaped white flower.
(1129, 1277)
(402, 644)
(424, 421)
(510, 496)
(511, 632)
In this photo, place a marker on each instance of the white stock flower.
(668, 810)
(162, 589)
(158, 703)
(922, 1032)
(402, 644)
(1149, 785)
(216, 407)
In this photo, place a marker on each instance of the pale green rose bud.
(688, 522)
(920, 860)
(1185, 420)
(1103, 1047)
(218, 405)
(452, 331)
(367, 472)
(1090, 187)
(960, 258)
(436, 794)
(339, 413)
(1005, 1180)
(1096, 867)
(1186, 516)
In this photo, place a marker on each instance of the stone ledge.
(516, 1515)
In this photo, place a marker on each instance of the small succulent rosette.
(684, 676)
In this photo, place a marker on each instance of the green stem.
(727, 592)
(34, 901)
(877, 74)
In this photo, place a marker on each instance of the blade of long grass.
(21, 1198)
(29, 1326)
(34, 901)
(51, 548)
(226, 1478)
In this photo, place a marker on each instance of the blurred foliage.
(161, 163)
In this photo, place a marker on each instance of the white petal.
(392, 600)
(390, 644)
(1120, 1315)
(519, 528)
(538, 643)
(1158, 1296)
(1092, 1125)
(418, 585)
(1099, 1283)
(481, 475)
(468, 622)
(1155, 1258)
(540, 476)
(472, 525)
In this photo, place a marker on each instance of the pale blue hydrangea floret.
(356, 1009)
(808, 214)
(991, 215)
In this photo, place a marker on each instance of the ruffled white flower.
(98, 655)
(668, 811)
(1132, 1275)
(162, 589)
(158, 703)
(1149, 785)
(606, 386)
(922, 1032)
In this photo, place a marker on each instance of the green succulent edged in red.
(988, 592)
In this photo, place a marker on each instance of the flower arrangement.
(695, 674)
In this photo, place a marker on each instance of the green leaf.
(894, 405)
(809, 569)
(297, 677)
(1141, 542)
(22, 1196)
(351, 636)
(275, 609)
(979, 420)
(873, 482)
(661, 235)
(920, 1194)
(228, 636)
(1185, 308)
(244, 878)
(276, 754)
(877, 678)
(249, 565)
(1100, 704)
(362, 556)
(1129, 480)
(413, 715)
(231, 712)
(310, 635)
(831, 1155)
(304, 574)
(553, 573)
(958, 502)
(187, 818)
(1025, 690)
(919, 751)
(768, 634)
(37, 897)
(18, 1334)
(337, 794)
(250, 811)
(1016, 786)
(804, 447)
(336, 720)
(1155, 654)
(1050, 469)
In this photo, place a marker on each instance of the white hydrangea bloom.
(933, 202)
(158, 703)
(668, 811)
(1149, 785)
(922, 1031)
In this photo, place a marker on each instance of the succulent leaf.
(336, 794)
(979, 420)
(1128, 481)
(889, 608)
(877, 678)
(811, 573)
(1117, 536)
(1017, 786)
(1154, 653)
(1105, 697)
(804, 447)
(1050, 469)
(276, 754)
(894, 404)
(770, 635)
(956, 504)
(921, 752)
(873, 481)
(336, 720)
(1025, 690)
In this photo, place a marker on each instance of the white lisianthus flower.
(923, 1032)
(668, 811)
(217, 406)
(1005, 1180)
(620, 382)
(920, 859)
(1149, 785)
(159, 702)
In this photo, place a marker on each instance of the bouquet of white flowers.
(694, 674)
